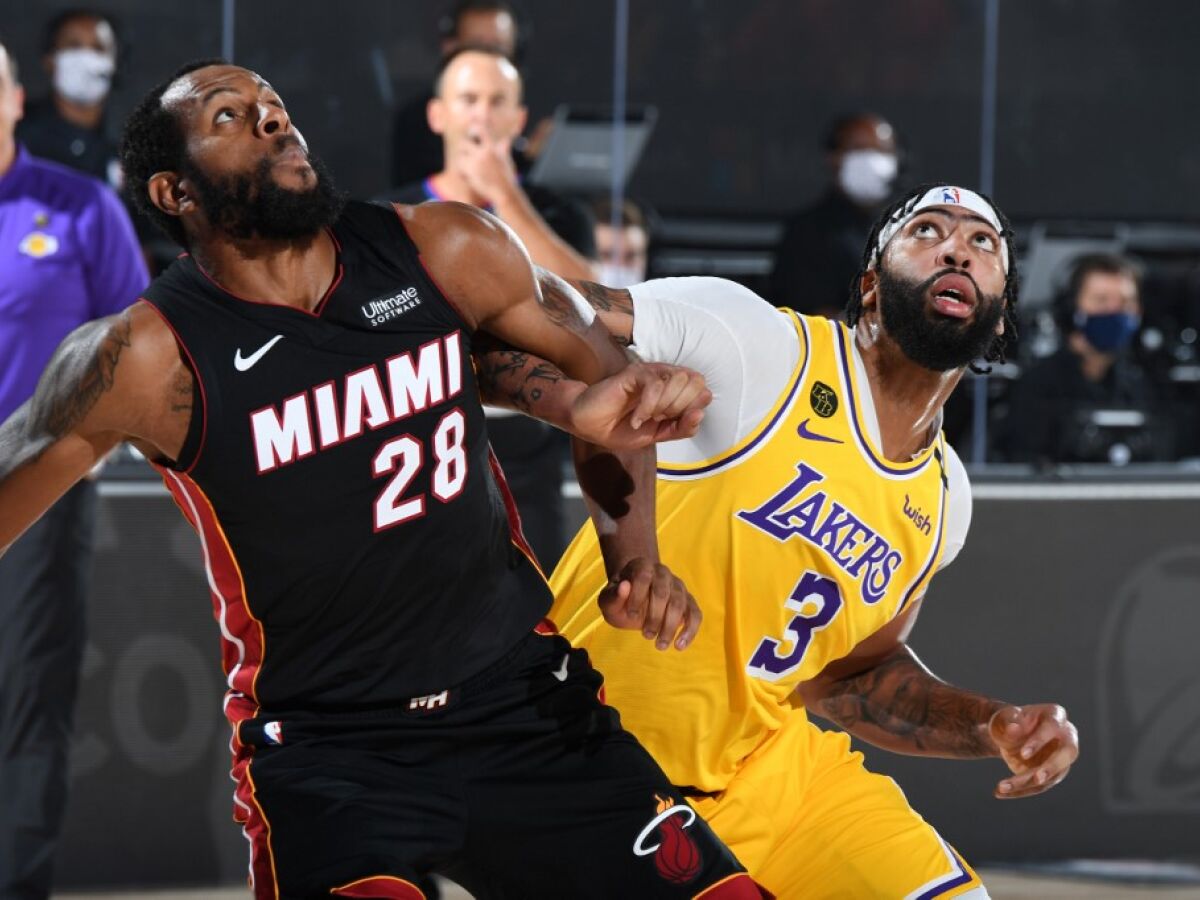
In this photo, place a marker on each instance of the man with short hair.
(817, 256)
(1053, 412)
(302, 380)
(417, 151)
(67, 255)
(810, 512)
(478, 112)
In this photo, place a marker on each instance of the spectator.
(820, 252)
(623, 253)
(1090, 401)
(478, 113)
(417, 151)
(68, 254)
(68, 126)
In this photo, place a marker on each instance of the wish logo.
(1149, 683)
(383, 309)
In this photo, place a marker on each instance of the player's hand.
(1038, 743)
(648, 596)
(642, 404)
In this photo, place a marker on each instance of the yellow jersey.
(798, 542)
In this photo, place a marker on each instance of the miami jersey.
(798, 538)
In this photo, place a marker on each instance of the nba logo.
(273, 732)
(950, 195)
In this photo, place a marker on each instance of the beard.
(255, 206)
(929, 339)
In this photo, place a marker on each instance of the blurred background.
(732, 138)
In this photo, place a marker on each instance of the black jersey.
(360, 548)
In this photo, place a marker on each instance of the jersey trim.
(936, 554)
(416, 252)
(315, 313)
(199, 450)
(746, 448)
(841, 337)
(960, 875)
(244, 650)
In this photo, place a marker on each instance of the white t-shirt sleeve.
(958, 508)
(743, 346)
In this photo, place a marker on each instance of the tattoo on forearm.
(901, 699)
(514, 374)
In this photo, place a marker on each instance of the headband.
(945, 195)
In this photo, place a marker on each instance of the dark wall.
(1095, 96)
(1089, 603)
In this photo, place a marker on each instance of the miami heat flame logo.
(676, 855)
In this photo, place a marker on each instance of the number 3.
(816, 600)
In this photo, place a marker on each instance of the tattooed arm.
(484, 271)
(104, 384)
(882, 694)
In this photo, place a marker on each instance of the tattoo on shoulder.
(82, 371)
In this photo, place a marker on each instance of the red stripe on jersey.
(199, 381)
(380, 886)
(510, 506)
(257, 830)
(242, 643)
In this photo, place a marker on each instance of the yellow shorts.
(809, 821)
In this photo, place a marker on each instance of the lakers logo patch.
(38, 244)
(824, 401)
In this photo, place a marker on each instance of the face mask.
(82, 75)
(866, 176)
(617, 276)
(1109, 333)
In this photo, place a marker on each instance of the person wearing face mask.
(69, 126)
(1083, 403)
(622, 253)
(821, 246)
(68, 255)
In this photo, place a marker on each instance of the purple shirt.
(68, 254)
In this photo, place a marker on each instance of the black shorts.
(519, 783)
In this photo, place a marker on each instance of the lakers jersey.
(798, 542)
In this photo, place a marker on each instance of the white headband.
(946, 195)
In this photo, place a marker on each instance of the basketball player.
(302, 380)
(810, 512)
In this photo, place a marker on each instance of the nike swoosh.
(244, 363)
(561, 672)
(803, 431)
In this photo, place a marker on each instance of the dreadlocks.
(900, 209)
